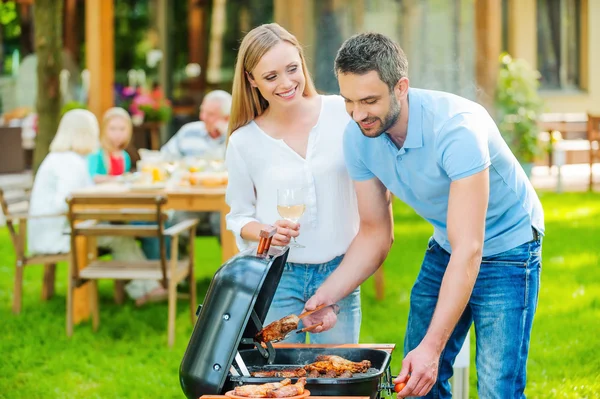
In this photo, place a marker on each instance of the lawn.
(128, 356)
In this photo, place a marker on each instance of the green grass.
(128, 356)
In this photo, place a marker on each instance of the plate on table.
(306, 394)
(147, 186)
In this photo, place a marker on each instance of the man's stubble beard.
(390, 119)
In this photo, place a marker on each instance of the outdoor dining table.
(180, 198)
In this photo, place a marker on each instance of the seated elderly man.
(205, 138)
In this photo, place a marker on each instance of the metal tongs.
(336, 310)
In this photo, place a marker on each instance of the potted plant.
(518, 106)
(145, 107)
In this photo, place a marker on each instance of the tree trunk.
(48, 47)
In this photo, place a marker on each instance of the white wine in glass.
(291, 203)
(291, 212)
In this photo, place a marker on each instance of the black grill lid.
(238, 298)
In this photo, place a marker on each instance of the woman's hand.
(285, 231)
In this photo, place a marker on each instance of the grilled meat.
(285, 373)
(259, 391)
(338, 364)
(346, 374)
(314, 374)
(288, 390)
(330, 374)
(277, 329)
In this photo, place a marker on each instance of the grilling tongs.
(336, 310)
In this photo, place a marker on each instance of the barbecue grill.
(221, 350)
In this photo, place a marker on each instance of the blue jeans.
(151, 245)
(501, 306)
(298, 283)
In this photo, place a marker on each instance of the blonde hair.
(111, 113)
(247, 102)
(77, 131)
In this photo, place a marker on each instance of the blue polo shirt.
(449, 138)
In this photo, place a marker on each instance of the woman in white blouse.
(284, 134)
(63, 171)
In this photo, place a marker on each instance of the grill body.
(242, 288)
(368, 384)
(234, 308)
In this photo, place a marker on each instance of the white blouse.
(258, 164)
(59, 174)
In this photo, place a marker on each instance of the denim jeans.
(298, 283)
(151, 245)
(501, 306)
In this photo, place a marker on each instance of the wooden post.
(215, 49)
(298, 18)
(197, 43)
(70, 37)
(522, 24)
(100, 54)
(488, 43)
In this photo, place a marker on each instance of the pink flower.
(128, 91)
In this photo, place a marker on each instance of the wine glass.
(291, 203)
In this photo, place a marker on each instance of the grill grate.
(278, 367)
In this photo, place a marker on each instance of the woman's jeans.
(298, 283)
(501, 306)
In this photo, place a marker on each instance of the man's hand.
(327, 315)
(421, 364)
(285, 231)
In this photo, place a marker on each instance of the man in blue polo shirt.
(444, 156)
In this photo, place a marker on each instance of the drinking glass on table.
(291, 203)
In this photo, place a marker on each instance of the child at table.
(63, 171)
(112, 159)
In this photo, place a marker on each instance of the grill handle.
(387, 382)
(266, 236)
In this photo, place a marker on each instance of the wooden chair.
(593, 135)
(91, 217)
(15, 206)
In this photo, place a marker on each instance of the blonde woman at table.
(285, 135)
(63, 171)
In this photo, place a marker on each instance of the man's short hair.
(222, 97)
(366, 52)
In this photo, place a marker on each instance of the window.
(559, 43)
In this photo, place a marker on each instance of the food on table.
(207, 179)
(337, 364)
(288, 390)
(285, 373)
(278, 329)
(214, 181)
